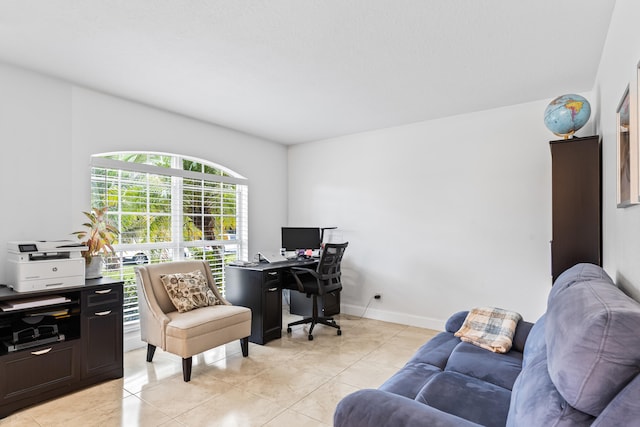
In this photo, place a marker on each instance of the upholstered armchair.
(180, 315)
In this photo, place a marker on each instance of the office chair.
(323, 280)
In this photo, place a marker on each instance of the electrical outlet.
(377, 296)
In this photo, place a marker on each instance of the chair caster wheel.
(310, 337)
(339, 332)
(288, 330)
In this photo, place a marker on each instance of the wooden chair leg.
(244, 344)
(151, 350)
(186, 369)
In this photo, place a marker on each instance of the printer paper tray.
(30, 344)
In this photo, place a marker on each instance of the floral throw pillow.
(188, 290)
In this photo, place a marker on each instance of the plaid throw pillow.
(490, 328)
(188, 290)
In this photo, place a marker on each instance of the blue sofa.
(577, 365)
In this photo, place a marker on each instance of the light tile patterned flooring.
(287, 382)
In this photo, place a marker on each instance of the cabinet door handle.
(272, 289)
(103, 313)
(41, 352)
(104, 291)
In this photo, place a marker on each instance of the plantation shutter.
(169, 208)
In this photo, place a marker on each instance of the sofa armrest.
(379, 408)
(455, 321)
(522, 332)
(623, 409)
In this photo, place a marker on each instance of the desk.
(259, 287)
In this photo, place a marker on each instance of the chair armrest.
(377, 408)
(303, 270)
(153, 321)
(295, 271)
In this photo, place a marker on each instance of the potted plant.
(98, 238)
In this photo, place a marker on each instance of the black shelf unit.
(26, 328)
(89, 352)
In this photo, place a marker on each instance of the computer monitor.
(294, 238)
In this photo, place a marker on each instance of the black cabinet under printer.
(57, 341)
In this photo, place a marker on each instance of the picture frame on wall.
(627, 151)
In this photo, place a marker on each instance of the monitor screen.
(294, 238)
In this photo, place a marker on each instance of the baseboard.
(394, 317)
(132, 339)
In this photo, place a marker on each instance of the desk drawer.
(32, 372)
(271, 279)
(103, 296)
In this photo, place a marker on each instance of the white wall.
(49, 129)
(35, 139)
(440, 216)
(617, 69)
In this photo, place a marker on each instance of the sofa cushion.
(495, 368)
(429, 360)
(593, 344)
(205, 320)
(536, 402)
(579, 273)
(467, 397)
(410, 379)
(436, 351)
(377, 408)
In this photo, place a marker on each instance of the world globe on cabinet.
(566, 114)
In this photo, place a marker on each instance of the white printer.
(38, 265)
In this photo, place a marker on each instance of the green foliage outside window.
(147, 207)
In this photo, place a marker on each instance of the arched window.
(169, 207)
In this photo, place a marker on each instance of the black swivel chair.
(323, 280)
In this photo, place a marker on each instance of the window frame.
(177, 243)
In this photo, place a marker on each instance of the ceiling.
(294, 71)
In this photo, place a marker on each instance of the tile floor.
(287, 382)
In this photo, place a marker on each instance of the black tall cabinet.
(576, 202)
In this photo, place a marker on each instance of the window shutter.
(169, 208)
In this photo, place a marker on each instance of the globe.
(566, 114)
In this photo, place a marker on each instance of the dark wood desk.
(259, 287)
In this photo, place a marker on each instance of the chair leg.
(244, 344)
(151, 350)
(186, 369)
(300, 322)
(315, 319)
(328, 321)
